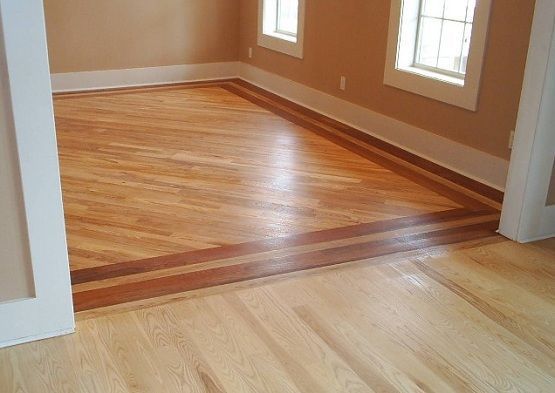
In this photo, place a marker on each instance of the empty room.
(277, 196)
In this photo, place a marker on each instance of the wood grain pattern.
(419, 170)
(169, 170)
(264, 267)
(185, 187)
(408, 157)
(206, 255)
(478, 319)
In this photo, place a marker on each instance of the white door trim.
(50, 312)
(525, 216)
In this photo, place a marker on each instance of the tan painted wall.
(16, 277)
(348, 37)
(86, 35)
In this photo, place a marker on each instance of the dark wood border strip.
(237, 250)
(429, 166)
(168, 285)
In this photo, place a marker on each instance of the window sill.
(281, 36)
(433, 75)
(439, 87)
(283, 43)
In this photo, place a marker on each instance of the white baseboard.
(467, 161)
(470, 162)
(94, 80)
(29, 339)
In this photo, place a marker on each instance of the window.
(436, 48)
(281, 26)
(444, 32)
(287, 17)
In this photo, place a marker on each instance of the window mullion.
(441, 33)
(418, 43)
(277, 16)
(462, 48)
(463, 36)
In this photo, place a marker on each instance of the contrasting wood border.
(265, 267)
(135, 281)
(237, 250)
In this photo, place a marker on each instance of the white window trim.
(451, 90)
(283, 43)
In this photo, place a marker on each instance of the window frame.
(283, 42)
(401, 72)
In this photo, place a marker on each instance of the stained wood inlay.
(168, 189)
(109, 296)
(205, 255)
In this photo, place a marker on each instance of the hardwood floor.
(178, 188)
(476, 316)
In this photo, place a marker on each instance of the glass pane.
(430, 32)
(466, 48)
(433, 8)
(471, 10)
(452, 38)
(287, 16)
(456, 9)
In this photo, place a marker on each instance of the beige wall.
(86, 35)
(16, 277)
(349, 37)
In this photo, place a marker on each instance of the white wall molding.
(94, 80)
(470, 162)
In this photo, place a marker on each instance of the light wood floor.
(474, 318)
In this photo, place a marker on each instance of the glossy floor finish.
(178, 188)
(473, 317)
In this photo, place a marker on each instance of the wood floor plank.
(184, 362)
(282, 326)
(526, 306)
(356, 361)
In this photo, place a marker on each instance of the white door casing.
(526, 215)
(26, 89)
